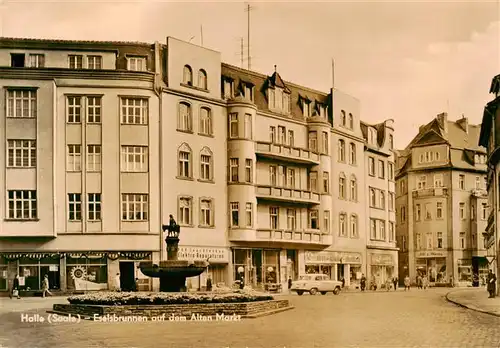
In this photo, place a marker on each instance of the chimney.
(442, 119)
(464, 123)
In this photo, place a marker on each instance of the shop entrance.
(127, 275)
(340, 271)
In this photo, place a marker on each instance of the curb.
(263, 314)
(471, 307)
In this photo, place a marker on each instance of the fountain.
(173, 273)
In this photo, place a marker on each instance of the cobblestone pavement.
(419, 318)
(476, 299)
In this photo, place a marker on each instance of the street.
(374, 319)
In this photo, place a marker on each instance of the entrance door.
(340, 271)
(127, 275)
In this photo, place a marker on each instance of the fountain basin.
(173, 268)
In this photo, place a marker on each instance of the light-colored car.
(314, 283)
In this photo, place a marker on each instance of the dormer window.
(306, 108)
(391, 144)
(322, 111)
(36, 61)
(343, 120)
(279, 100)
(351, 121)
(17, 60)
(75, 61)
(248, 91)
(227, 88)
(187, 75)
(372, 136)
(136, 63)
(202, 79)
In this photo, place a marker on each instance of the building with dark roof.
(441, 202)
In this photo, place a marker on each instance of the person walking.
(395, 282)
(425, 282)
(46, 286)
(363, 282)
(407, 283)
(492, 284)
(15, 288)
(289, 283)
(209, 283)
(117, 282)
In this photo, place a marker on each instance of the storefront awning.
(134, 255)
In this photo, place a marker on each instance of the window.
(36, 61)
(390, 167)
(248, 91)
(372, 136)
(351, 121)
(428, 213)
(136, 63)
(354, 189)
(286, 103)
(249, 213)
(439, 210)
(282, 135)
(93, 109)
(429, 241)
(248, 126)
(93, 158)
(326, 182)
(17, 60)
(403, 214)
(74, 109)
(75, 61)
(21, 153)
(281, 176)
(354, 226)
(438, 180)
(473, 212)
(418, 241)
(313, 141)
(21, 103)
(325, 142)
(326, 221)
(74, 207)
(371, 166)
(185, 211)
(381, 169)
(392, 235)
(391, 201)
(402, 187)
(248, 170)
(462, 211)
(313, 181)
(234, 164)
(342, 188)
(343, 225)
(272, 98)
(422, 182)
(461, 182)
(478, 182)
(382, 230)
(235, 214)
(187, 75)
(134, 159)
(94, 207)
(272, 135)
(290, 178)
(484, 211)
(184, 161)
(94, 62)
(228, 88)
(185, 117)
(313, 220)
(274, 217)
(205, 121)
(135, 207)
(373, 229)
(440, 240)
(341, 150)
(462, 240)
(373, 198)
(206, 164)
(202, 79)
(291, 219)
(272, 176)
(206, 213)
(306, 108)
(233, 125)
(391, 141)
(418, 212)
(291, 140)
(22, 204)
(134, 111)
(343, 119)
(74, 158)
(352, 153)
(382, 199)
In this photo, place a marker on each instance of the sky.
(404, 60)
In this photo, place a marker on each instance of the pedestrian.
(363, 282)
(419, 282)
(209, 283)
(15, 288)
(290, 282)
(407, 283)
(492, 284)
(425, 282)
(395, 282)
(46, 286)
(343, 282)
(117, 282)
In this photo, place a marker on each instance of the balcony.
(284, 194)
(286, 153)
(308, 237)
(430, 192)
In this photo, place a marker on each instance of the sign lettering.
(312, 257)
(430, 253)
(213, 255)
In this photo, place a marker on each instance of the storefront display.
(87, 273)
(256, 267)
(34, 269)
(465, 270)
(335, 264)
(382, 268)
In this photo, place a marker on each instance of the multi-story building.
(103, 140)
(380, 215)
(490, 139)
(441, 203)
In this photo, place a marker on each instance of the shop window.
(86, 273)
(34, 270)
(4, 284)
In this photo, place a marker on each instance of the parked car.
(314, 283)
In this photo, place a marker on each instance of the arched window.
(343, 224)
(188, 75)
(354, 189)
(351, 121)
(341, 150)
(354, 226)
(373, 201)
(382, 200)
(342, 186)
(343, 120)
(205, 121)
(185, 118)
(185, 169)
(206, 164)
(202, 79)
(352, 153)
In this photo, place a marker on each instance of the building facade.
(103, 140)
(442, 203)
(490, 139)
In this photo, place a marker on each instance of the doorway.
(340, 271)
(127, 275)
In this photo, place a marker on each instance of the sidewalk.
(475, 299)
(29, 303)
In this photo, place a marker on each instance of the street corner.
(475, 299)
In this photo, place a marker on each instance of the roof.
(14, 40)
(495, 84)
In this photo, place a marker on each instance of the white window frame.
(248, 127)
(202, 79)
(94, 109)
(274, 218)
(234, 125)
(249, 214)
(461, 182)
(75, 61)
(354, 226)
(439, 210)
(314, 219)
(135, 207)
(206, 212)
(16, 103)
(36, 60)
(248, 170)
(94, 158)
(128, 110)
(21, 153)
(313, 181)
(371, 166)
(273, 175)
(234, 218)
(313, 141)
(234, 168)
(94, 205)
(325, 143)
(326, 221)
(354, 189)
(342, 186)
(291, 219)
(94, 62)
(74, 158)
(291, 139)
(74, 207)
(185, 118)
(373, 229)
(343, 225)
(74, 109)
(184, 163)
(341, 150)
(206, 160)
(352, 153)
(187, 75)
(134, 152)
(26, 200)
(138, 63)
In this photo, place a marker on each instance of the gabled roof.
(430, 137)
(276, 81)
(495, 84)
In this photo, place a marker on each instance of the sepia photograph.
(261, 174)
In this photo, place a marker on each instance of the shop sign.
(53, 268)
(430, 253)
(320, 257)
(213, 255)
(22, 281)
(382, 259)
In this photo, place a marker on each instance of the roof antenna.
(275, 68)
